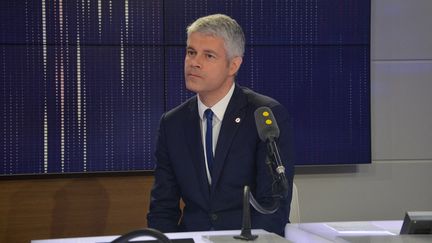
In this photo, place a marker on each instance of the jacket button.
(213, 216)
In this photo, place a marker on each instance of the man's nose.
(196, 61)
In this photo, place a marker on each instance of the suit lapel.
(232, 120)
(194, 142)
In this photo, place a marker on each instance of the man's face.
(208, 71)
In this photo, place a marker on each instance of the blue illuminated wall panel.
(84, 82)
(82, 85)
(276, 22)
(312, 56)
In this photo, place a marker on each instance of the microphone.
(266, 124)
(268, 131)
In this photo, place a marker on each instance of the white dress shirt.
(218, 114)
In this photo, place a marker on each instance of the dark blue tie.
(209, 139)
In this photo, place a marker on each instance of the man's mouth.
(193, 75)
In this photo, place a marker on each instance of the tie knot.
(208, 114)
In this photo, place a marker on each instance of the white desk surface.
(197, 237)
(355, 231)
(324, 232)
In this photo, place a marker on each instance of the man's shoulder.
(181, 110)
(256, 99)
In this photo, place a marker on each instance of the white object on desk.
(332, 231)
(358, 228)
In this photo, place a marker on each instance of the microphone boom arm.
(280, 180)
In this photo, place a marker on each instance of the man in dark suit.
(208, 148)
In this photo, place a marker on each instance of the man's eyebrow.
(210, 51)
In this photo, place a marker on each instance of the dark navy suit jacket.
(239, 160)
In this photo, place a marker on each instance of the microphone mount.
(280, 190)
(268, 131)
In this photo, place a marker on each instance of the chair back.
(294, 216)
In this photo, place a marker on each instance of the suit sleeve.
(274, 222)
(164, 213)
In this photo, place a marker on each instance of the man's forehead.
(205, 42)
(206, 50)
(204, 37)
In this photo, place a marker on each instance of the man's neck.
(210, 99)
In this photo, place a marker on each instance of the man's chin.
(192, 87)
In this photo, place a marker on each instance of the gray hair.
(223, 26)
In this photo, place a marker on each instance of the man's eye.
(210, 56)
(190, 53)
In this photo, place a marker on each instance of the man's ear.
(235, 65)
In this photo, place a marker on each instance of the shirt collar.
(219, 108)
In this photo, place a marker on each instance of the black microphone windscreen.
(266, 124)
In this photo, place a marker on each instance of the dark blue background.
(312, 56)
